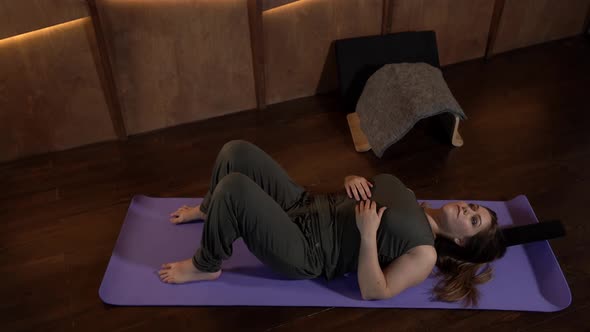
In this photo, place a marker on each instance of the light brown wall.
(298, 43)
(461, 26)
(185, 60)
(20, 16)
(528, 22)
(50, 93)
(178, 61)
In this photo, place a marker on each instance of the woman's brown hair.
(458, 266)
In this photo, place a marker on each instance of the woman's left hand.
(367, 217)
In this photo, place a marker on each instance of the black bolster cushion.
(533, 232)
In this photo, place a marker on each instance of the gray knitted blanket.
(397, 96)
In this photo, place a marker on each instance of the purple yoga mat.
(527, 278)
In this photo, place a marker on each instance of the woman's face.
(463, 220)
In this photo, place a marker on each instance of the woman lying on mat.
(376, 228)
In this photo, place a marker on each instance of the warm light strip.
(287, 5)
(31, 34)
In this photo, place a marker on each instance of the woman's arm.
(370, 277)
(405, 271)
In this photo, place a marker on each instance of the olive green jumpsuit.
(297, 233)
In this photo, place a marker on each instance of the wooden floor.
(528, 132)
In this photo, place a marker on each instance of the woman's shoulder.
(423, 252)
(389, 175)
(388, 178)
(392, 191)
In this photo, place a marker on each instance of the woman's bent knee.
(236, 149)
(234, 182)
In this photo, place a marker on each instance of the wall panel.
(178, 61)
(299, 54)
(51, 96)
(461, 25)
(20, 16)
(527, 22)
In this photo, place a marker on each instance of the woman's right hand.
(358, 187)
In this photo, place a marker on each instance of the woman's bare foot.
(184, 271)
(186, 214)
